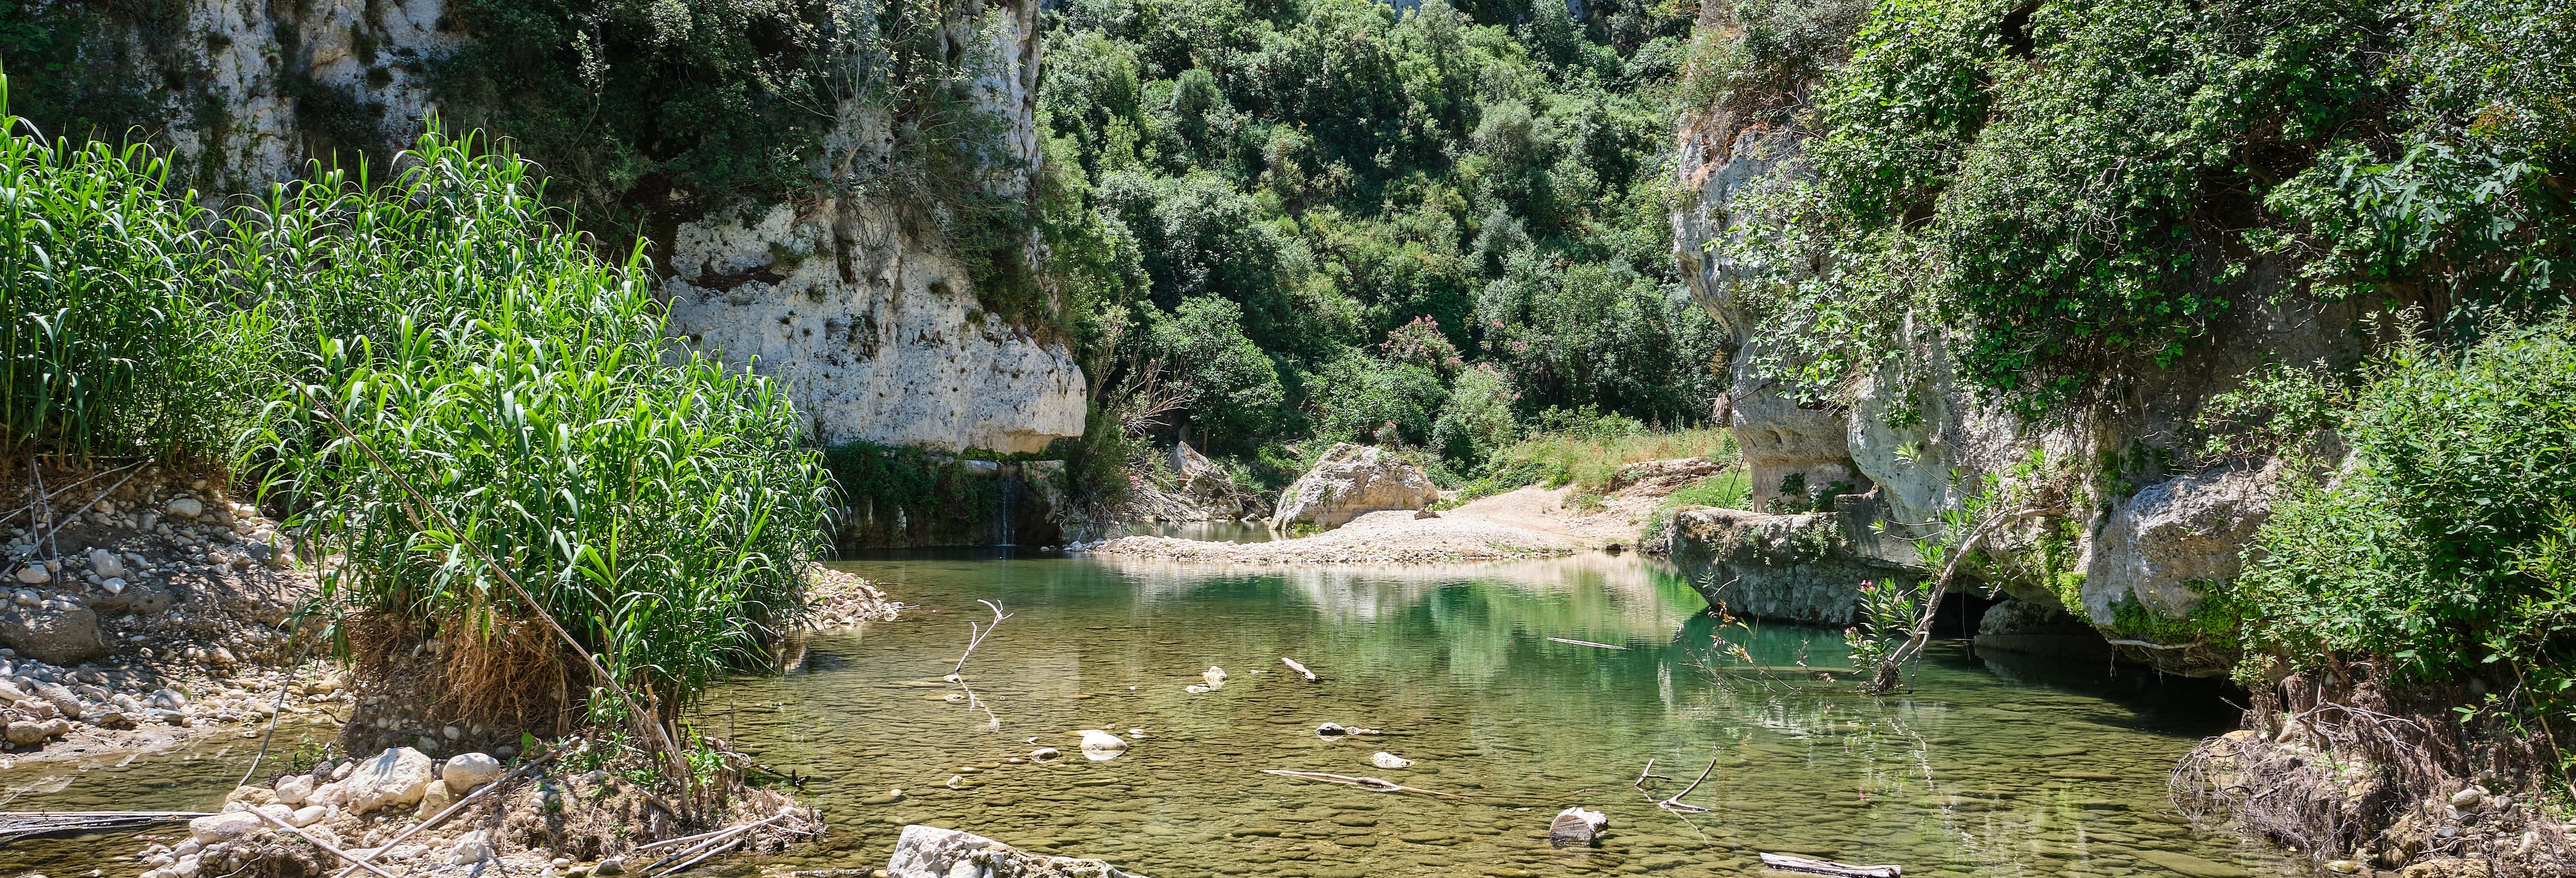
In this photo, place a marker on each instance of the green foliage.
(2064, 193)
(1588, 451)
(1233, 383)
(1387, 197)
(104, 310)
(884, 479)
(453, 368)
(2441, 545)
(1887, 614)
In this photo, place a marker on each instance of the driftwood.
(1588, 643)
(326, 848)
(1676, 802)
(441, 817)
(1787, 863)
(1649, 772)
(20, 824)
(1300, 669)
(726, 837)
(1371, 784)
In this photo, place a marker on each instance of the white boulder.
(393, 778)
(1351, 481)
(465, 771)
(1383, 759)
(186, 507)
(216, 828)
(295, 789)
(932, 852)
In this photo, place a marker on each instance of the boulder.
(1805, 567)
(186, 507)
(1576, 827)
(26, 734)
(61, 637)
(2158, 546)
(1351, 481)
(218, 828)
(295, 789)
(465, 771)
(62, 699)
(932, 852)
(393, 778)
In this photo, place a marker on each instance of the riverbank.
(1526, 522)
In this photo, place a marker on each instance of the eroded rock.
(932, 852)
(1351, 481)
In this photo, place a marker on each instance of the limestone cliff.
(2117, 521)
(873, 322)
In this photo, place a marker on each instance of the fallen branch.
(1647, 773)
(1676, 803)
(1371, 784)
(48, 499)
(1588, 643)
(1787, 863)
(707, 835)
(701, 857)
(975, 637)
(2142, 644)
(325, 846)
(441, 817)
(19, 824)
(1300, 669)
(727, 837)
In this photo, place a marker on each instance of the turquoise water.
(1993, 766)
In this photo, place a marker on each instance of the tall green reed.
(651, 501)
(107, 329)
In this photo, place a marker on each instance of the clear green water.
(192, 777)
(1992, 767)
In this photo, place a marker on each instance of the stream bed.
(1995, 765)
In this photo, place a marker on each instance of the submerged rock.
(932, 852)
(1097, 741)
(1576, 827)
(1383, 759)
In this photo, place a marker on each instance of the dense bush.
(2443, 544)
(2070, 192)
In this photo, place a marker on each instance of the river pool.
(1995, 765)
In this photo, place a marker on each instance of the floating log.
(1300, 669)
(1787, 863)
(15, 825)
(1588, 643)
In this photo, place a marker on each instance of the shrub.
(2442, 543)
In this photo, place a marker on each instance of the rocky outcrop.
(874, 325)
(932, 852)
(1804, 568)
(1197, 489)
(1351, 481)
(2023, 626)
(2116, 509)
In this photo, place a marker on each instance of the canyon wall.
(874, 324)
(2115, 522)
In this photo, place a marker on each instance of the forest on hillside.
(1423, 225)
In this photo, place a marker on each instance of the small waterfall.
(1007, 505)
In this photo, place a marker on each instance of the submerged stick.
(1300, 669)
(701, 857)
(1371, 784)
(1647, 773)
(1787, 863)
(1676, 802)
(1588, 643)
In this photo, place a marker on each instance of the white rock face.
(2173, 533)
(932, 852)
(465, 771)
(876, 334)
(1351, 481)
(393, 778)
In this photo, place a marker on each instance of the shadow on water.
(1993, 765)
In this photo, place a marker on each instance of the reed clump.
(443, 386)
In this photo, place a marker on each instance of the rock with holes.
(932, 852)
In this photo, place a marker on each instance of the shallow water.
(191, 777)
(1992, 766)
(1209, 531)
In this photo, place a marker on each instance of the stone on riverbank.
(932, 852)
(393, 778)
(1350, 481)
(465, 771)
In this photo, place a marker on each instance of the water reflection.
(1977, 772)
